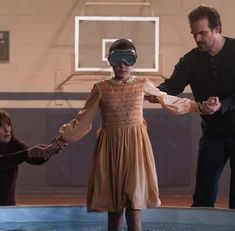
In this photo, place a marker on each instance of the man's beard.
(202, 47)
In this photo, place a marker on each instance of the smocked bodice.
(121, 104)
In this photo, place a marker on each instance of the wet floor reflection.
(88, 226)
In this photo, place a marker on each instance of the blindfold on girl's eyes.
(128, 58)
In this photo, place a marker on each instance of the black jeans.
(214, 151)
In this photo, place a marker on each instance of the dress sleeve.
(171, 103)
(82, 123)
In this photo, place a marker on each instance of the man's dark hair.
(206, 12)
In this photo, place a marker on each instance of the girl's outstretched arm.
(170, 103)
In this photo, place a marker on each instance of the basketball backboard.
(94, 35)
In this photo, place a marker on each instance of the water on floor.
(91, 226)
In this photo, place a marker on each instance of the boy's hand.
(36, 151)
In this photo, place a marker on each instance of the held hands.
(210, 106)
(36, 151)
(151, 98)
(47, 151)
(52, 149)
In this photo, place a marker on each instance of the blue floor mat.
(71, 218)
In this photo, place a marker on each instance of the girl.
(123, 175)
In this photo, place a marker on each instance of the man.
(210, 71)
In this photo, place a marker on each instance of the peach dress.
(123, 172)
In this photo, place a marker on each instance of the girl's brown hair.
(122, 44)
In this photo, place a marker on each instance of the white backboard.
(94, 35)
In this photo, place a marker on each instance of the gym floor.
(80, 199)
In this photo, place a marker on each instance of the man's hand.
(151, 98)
(210, 106)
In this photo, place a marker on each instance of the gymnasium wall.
(41, 58)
